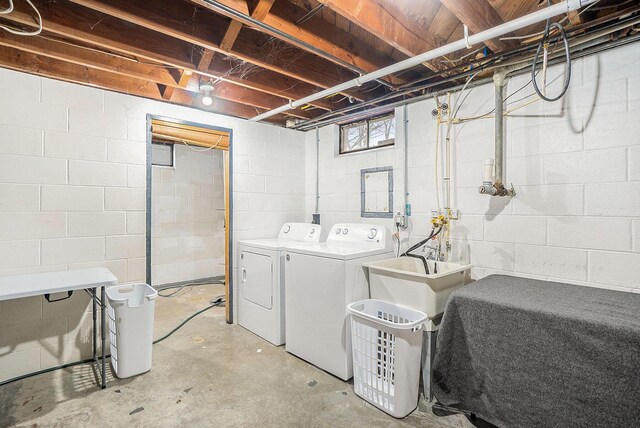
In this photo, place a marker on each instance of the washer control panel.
(360, 233)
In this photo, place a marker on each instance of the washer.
(322, 279)
(261, 282)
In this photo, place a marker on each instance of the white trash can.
(387, 343)
(131, 308)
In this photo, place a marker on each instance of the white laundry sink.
(402, 281)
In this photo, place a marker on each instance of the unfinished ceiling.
(260, 54)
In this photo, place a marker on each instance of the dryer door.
(256, 278)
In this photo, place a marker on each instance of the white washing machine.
(261, 282)
(322, 279)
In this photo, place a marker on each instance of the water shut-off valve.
(491, 187)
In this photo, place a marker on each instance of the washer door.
(256, 278)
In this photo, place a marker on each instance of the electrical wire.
(542, 45)
(216, 301)
(20, 32)
(9, 9)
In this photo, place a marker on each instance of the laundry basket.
(387, 342)
(131, 309)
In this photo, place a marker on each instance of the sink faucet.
(434, 253)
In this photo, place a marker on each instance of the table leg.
(95, 323)
(103, 304)
(428, 352)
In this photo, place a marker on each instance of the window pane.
(162, 154)
(354, 137)
(382, 131)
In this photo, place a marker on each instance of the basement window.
(162, 154)
(368, 134)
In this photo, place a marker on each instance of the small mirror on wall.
(376, 192)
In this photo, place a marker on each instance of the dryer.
(322, 279)
(261, 282)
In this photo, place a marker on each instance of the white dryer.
(322, 279)
(261, 282)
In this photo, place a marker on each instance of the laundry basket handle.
(413, 325)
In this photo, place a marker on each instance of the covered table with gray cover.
(527, 353)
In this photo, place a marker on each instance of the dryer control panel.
(354, 233)
(304, 232)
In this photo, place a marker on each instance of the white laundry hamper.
(386, 340)
(131, 309)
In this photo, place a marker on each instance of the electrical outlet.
(400, 220)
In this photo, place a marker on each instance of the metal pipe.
(500, 30)
(498, 80)
(497, 187)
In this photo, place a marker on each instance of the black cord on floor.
(216, 301)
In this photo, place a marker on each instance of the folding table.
(45, 284)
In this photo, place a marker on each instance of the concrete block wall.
(187, 232)
(72, 195)
(575, 165)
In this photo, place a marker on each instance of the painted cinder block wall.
(187, 202)
(72, 195)
(575, 165)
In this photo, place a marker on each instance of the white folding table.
(45, 284)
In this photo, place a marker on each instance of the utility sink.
(403, 281)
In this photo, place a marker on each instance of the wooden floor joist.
(48, 67)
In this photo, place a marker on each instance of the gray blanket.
(525, 353)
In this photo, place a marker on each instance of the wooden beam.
(260, 10)
(313, 36)
(185, 77)
(478, 15)
(143, 45)
(231, 35)
(373, 17)
(49, 45)
(269, 82)
(174, 20)
(205, 60)
(44, 47)
(52, 68)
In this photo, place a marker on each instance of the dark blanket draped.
(526, 353)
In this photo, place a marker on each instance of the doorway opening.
(189, 208)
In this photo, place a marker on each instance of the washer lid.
(337, 251)
(272, 243)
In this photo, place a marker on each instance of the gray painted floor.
(206, 374)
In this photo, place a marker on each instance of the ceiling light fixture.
(207, 99)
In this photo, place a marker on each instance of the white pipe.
(491, 33)
(317, 170)
(405, 120)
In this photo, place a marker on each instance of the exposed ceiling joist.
(182, 81)
(43, 46)
(56, 69)
(373, 17)
(233, 30)
(314, 36)
(478, 15)
(142, 47)
(178, 22)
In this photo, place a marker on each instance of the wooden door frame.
(228, 192)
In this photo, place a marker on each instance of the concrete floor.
(206, 374)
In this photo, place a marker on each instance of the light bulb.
(207, 100)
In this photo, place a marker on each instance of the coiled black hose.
(567, 78)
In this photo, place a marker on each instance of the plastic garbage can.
(131, 308)
(387, 343)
